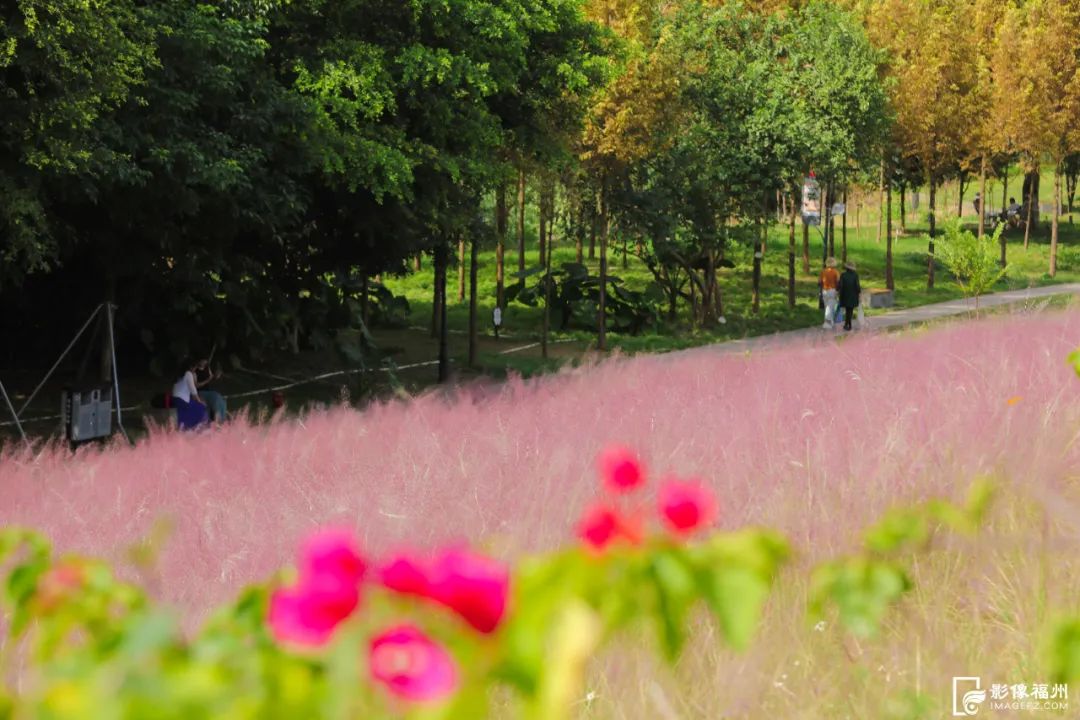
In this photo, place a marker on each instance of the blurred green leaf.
(1065, 652)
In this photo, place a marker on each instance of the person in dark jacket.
(849, 292)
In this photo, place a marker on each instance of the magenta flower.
(473, 586)
(411, 665)
(406, 575)
(308, 613)
(598, 527)
(602, 525)
(333, 553)
(687, 506)
(620, 469)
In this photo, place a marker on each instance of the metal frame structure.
(108, 308)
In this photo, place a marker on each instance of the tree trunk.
(791, 253)
(708, 306)
(502, 222)
(933, 230)
(826, 223)
(843, 222)
(473, 326)
(605, 228)
(461, 269)
(364, 304)
(960, 192)
(888, 231)
(758, 254)
(1005, 189)
(832, 221)
(1057, 217)
(592, 236)
(903, 208)
(547, 302)
(718, 300)
(542, 215)
(1070, 192)
(806, 248)
(579, 233)
(441, 261)
(436, 297)
(982, 198)
(416, 262)
(1029, 202)
(881, 201)
(1031, 191)
(521, 220)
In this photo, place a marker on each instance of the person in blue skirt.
(190, 409)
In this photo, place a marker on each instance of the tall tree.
(930, 44)
(1037, 66)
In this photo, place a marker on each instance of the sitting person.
(190, 409)
(214, 400)
(1012, 212)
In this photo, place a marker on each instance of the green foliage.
(233, 161)
(974, 263)
(862, 587)
(1065, 651)
(99, 649)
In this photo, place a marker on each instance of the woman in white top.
(190, 409)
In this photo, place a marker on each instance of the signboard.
(811, 202)
(839, 209)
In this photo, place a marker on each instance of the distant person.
(190, 409)
(849, 292)
(977, 202)
(829, 281)
(215, 401)
(1012, 213)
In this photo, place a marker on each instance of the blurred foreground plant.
(426, 635)
(346, 636)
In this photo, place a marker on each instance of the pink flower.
(308, 613)
(333, 553)
(406, 575)
(687, 506)
(411, 665)
(473, 586)
(601, 526)
(620, 469)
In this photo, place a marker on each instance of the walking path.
(891, 319)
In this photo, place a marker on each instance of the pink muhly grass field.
(815, 439)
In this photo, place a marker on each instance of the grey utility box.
(881, 298)
(87, 414)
